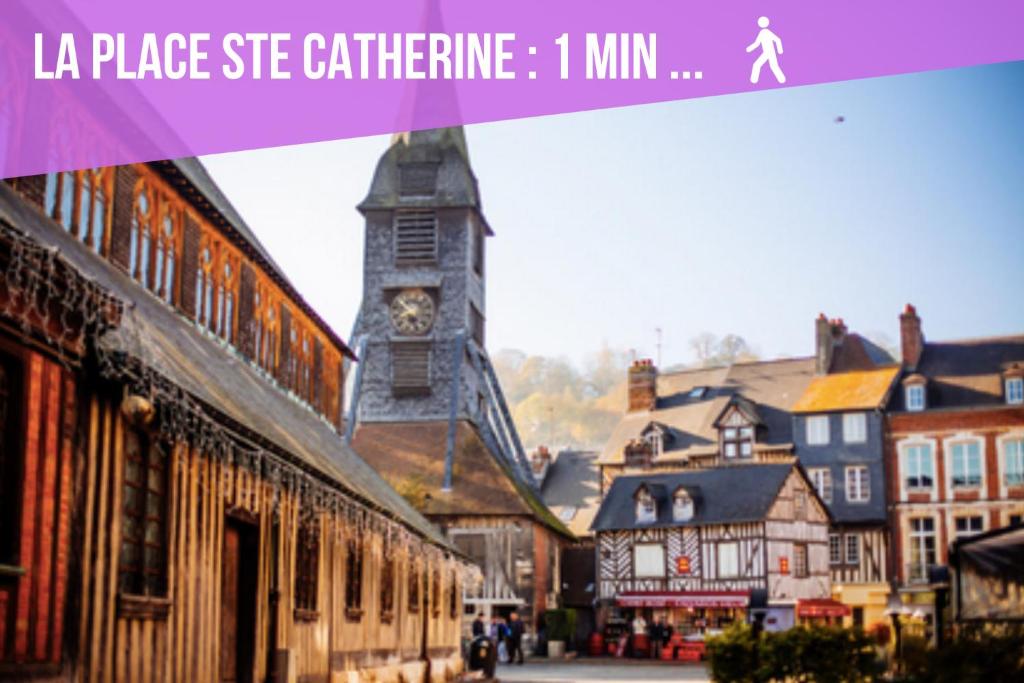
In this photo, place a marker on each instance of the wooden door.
(238, 602)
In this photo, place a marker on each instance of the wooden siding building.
(178, 502)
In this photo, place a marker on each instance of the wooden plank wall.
(32, 605)
(184, 645)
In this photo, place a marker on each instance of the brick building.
(954, 448)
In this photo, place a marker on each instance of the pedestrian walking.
(478, 625)
(516, 629)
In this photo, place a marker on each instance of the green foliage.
(561, 624)
(822, 654)
(978, 654)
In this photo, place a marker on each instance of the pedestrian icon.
(771, 48)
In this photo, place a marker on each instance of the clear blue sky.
(747, 214)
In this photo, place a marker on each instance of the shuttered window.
(143, 560)
(307, 564)
(410, 368)
(414, 589)
(354, 579)
(415, 237)
(387, 587)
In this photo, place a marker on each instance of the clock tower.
(427, 410)
(421, 325)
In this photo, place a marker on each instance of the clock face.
(412, 312)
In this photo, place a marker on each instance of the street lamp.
(893, 610)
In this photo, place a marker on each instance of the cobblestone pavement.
(604, 670)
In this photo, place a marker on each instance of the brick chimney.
(911, 337)
(643, 385)
(540, 462)
(828, 334)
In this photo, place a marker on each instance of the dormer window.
(656, 441)
(646, 507)
(737, 428)
(682, 506)
(738, 442)
(1014, 390)
(914, 395)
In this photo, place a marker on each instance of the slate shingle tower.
(427, 410)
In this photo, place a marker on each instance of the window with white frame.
(855, 428)
(914, 395)
(682, 507)
(965, 464)
(646, 508)
(817, 430)
(728, 559)
(969, 526)
(649, 560)
(852, 548)
(1013, 462)
(821, 477)
(1014, 390)
(858, 484)
(835, 549)
(922, 547)
(655, 440)
(918, 467)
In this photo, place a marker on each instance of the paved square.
(605, 670)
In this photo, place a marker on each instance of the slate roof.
(967, 373)
(411, 455)
(154, 334)
(722, 495)
(857, 352)
(857, 390)
(773, 386)
(573, 481)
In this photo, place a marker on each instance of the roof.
(856, 352)
(155, 335)
(713, 490)
(773, 386)
(193, 171)
(572, 487)
(966, 373)
(858, 390)
(411, 456)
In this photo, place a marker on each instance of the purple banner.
(87, 83)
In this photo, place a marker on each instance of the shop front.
(822, 611)
(690, 614)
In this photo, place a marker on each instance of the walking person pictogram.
(771, 48)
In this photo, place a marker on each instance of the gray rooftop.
(722, 495)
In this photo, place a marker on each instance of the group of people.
(506, 635)
(658, 634)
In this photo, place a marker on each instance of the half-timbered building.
(177, 500)
(954, 449)
(427, 410)
(693, 545)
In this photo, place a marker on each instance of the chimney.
(643, 385)
(822, 345)
(828, 334)
(911, 338)
(540, 462)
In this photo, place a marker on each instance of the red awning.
(821, 608)
(738, 599)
